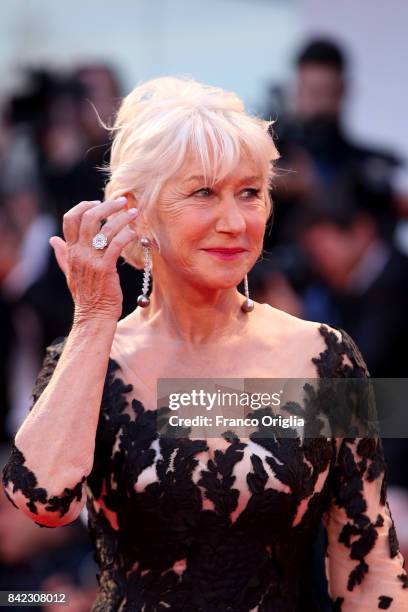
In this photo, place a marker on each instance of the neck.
(194, 315)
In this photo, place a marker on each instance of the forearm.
(54, 448)
(57, 437)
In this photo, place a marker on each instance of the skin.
(195, 314)
(194, 291)
(195, 311)
(194, 326)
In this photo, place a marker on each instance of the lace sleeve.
(364, 567)
(21, 483)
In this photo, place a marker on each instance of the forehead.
(316, 74)
(192, 172)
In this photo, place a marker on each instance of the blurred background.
(336, 250)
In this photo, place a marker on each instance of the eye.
(251, 193)
(205, 192)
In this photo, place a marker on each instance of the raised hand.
(91, 273)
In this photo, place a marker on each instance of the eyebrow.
(247, 179)
(190, 179)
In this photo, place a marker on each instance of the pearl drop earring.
(143, 300)
(248, 305)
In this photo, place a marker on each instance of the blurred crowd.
(52, 143)
(336, 251)
(337, 247)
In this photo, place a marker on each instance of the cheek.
(256, 226)
(173, 223)
(181, 236)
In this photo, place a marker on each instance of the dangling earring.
(248, 304)
(143, 300)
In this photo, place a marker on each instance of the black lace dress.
(235, 532)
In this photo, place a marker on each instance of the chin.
(222, 281)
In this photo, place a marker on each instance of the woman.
(180, 523)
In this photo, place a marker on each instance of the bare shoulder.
(309, 340)
(295, 329)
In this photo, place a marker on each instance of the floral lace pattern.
(24, 480)
(234, 532)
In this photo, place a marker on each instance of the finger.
(60, 251)
(118, 221)
(91, 218)
(72, 219)
(117, 244)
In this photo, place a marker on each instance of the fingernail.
(132, 211)
(95, 201)
(121, 200)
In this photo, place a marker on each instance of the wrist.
(97, 323)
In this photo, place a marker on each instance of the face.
(331, 251)
(211, 235)
(319, 92)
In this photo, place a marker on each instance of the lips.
(225, 251)
(225, 254)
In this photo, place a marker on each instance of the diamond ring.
(99, 241)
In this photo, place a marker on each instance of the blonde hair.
(163, 119)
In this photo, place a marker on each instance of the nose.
(230, 219)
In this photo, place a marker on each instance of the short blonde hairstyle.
(162, 120)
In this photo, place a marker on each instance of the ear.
(140, 223)
(131, 199)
